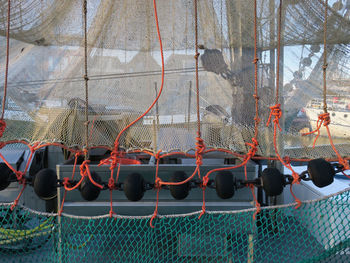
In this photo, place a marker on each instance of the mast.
(241, 57)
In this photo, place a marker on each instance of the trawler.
(339, 112)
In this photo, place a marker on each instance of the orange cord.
(111, 186)
(66, 183)
(116, 143)
(276, 112)
(157, 186)
(322, 119)
(20, 175)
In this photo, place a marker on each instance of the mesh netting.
(316, 232)
(46, 96)
(86, 74)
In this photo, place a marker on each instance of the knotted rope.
(322, 119)
(277, 113)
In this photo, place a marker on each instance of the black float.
(321, 172)
(272, 181)
(45, 184)
(88, 190)
(179, 192)
(5, 176)
(225, 184)
(134, 187)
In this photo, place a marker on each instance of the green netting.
(318, 231)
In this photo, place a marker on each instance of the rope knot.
(344, 163)
(255, 60)
(112, 160)
(322, 119)
(20, 177)
(86, 77)
(287, 159)
(257, 120)
(200, 148)
(66, 182)
(158, 183)
(277, 113)
(324, 67)
(84, 168)
(34, 146)
(157, 155)
(205, 182)
(111, 183)
(253, 148)
(296, 178)
(197, 55)
(2, 127)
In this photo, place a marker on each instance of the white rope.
(176, 215)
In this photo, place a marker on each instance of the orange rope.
(200, 146)
(322, 119)
(66, 183)
(348, 176)
(157, 186)
(296, 178)
(111, 186)
(342, 161)
(276, 112)
(20, 175)
(252, 189)
(85, 171)
(203, 186)
(116, 143)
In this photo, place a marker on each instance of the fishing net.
(46, 93)
(255, 80)
(316, 232)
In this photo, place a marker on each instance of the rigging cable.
(86, 79)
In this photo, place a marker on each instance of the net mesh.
(51, 63)
(316, 232)
(46, 95)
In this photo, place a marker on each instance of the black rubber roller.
(225, 184)
(321, 172)
(88, 190)
(5, 176)
(181, 191)
(45, 184)
(134, 187)
(272, 181)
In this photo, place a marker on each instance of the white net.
(46, 93)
